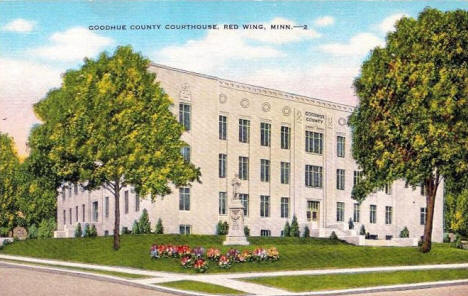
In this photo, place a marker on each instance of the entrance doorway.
(313, 213)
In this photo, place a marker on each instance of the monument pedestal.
(236, 235)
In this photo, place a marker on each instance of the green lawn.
(201, 287)
(357, 280)
(295, 253)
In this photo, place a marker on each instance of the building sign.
(314, 117)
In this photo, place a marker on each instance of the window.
(106, 206)
(340, 146)
(137, 203)
(63, 193)
(357, 213)
(388, 188)
(76, 214)
(373, 214)
(314, 142)
(70, 215)
(244, 130)
(340, 179)
(388, 215)
(265, 232)
(244, 198)
(222, 165)
(285, 207)
(422, 216)
(69, 191)
(222, 127)
(356, 177)
(313, 209)
(185, 229)
(75, 188)
(184, 115)
(83, 208)
(222, 203)
(243, 168)
(313, 176)
(64, 217)
(340, 211)
(184, 199)
(285, 172)
(95, 211)
(264, 170)
(185, 153)
(422, 189)
(126, 201)
(265, 134)
(264, 206)
(285, 137)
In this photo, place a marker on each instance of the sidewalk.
(231, 280)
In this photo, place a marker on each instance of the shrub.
(446, 238)
(125, 230)
(135, 228)
(367, 235)
(78, 231)
(93, 231)
(222, 228)
(404, 233)
(306, 232)
(350, 223)
(362, 231)
(333, 236)
(294, 231)
(144, 225)
(4, 231)
(32, 231)
(46, 228)
(286, 229)
(246, 231)
(457, 242)
(159, 227)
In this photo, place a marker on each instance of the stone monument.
(20, 233)
(236, 235)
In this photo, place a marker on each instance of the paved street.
(26, 282)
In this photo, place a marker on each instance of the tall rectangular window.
(244, 198)
(243, 168)
(422, 189)
(357, 213)
(264, 206)
(137, 202)
(70, 215)
(75, 188)
(264, 170)
(76, 214)
(340, 211)
(69, 191)
(373, 214)
(64, 217)
(184, 115)
(222, 158)
(313, 176)
(83, 210)
(356, 177)
(244, 130)
(340, 179)
(63, 193)
(313, 210)
(222, 127)
(106, 206)
(285, 137)
(95, 211)
(340, 146)
(126, 201)
(285, 172)
(285, 207)
(388, 188)
(184, 199)
(185, 151)
(265, 134)
(388, 215)
(422, 216)
(314, 142)
(222, 203)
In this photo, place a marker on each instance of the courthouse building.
(292, 154)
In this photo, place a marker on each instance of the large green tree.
(9, 163)
(110, 125)
(411, 121)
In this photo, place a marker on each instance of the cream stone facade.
(293, 154)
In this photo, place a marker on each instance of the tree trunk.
(117, 216)
(430, 191)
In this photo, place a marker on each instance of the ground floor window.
(357, 213)
(373, 214)
(185, 229)
(388, 215)
(76, 214)
(265, 232)
(244, 198)
(222, 203)
(422, 216)
(95, 211)
(313, 210)
(340, 211)
(83, 208)
(64, 217)
(70, 212)
(264, 206)
(284, 207)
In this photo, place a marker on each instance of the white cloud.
(388, 24)
(358, 45)
(217, 48)
(73, 45)
(19, 25)
(324, 21)
(22, 84)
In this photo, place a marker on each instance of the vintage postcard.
(233, 147)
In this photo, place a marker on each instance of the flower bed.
(198, 259)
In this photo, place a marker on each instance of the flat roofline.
(247, 85)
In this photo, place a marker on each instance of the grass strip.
(201, 287)
(308, 283)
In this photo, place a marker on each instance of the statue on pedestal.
(236, 234)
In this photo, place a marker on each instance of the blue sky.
(39, 40)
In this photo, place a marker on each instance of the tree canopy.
(411, 121)
(9, 163)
